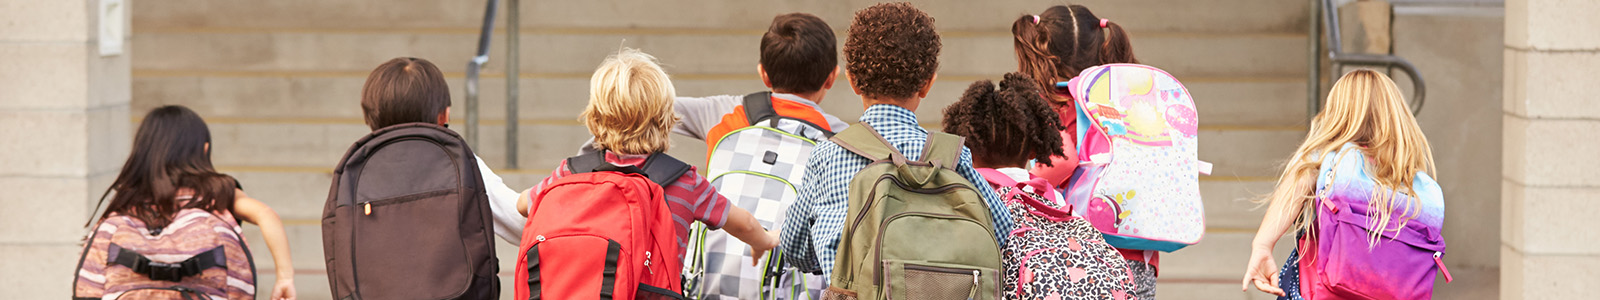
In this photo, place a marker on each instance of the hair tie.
(1036, 19)
(1103, 22)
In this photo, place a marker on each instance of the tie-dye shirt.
(1349, 178)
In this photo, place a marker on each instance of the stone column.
(64, 132)
(1550, 245)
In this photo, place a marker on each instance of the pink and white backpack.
(1138, 176)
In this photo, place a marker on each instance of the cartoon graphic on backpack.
(886, 249)
(200, 255)
(1138, 178)
(756, 166)
(1053, 254)
(603, 232)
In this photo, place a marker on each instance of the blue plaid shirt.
(810, 235)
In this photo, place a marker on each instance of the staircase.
(280, 81)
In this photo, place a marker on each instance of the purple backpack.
(1342, 262)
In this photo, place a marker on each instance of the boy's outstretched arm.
(253, 211)
(741, 224)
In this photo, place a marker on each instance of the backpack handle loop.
(863, 140)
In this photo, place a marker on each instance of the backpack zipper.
(877, 249)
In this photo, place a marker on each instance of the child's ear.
(763, 71)
(826, 85)
(927, 86)
(444, 117)
(853, 87)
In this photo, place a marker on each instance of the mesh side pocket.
(937, 284)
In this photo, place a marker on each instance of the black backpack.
(407, 218)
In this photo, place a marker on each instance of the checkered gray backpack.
(755, 164)
(1052, 254)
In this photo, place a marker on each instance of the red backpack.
(604, 232)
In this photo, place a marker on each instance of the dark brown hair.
(1008, 126)
(404, 90)
(169, 154)
(1064, 40)
(798, 52)
(892, 51)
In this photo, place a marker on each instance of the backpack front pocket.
(396, 255)
(936, 281)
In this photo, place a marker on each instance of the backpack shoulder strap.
(659, 167)
(943, 149)
(586, 162)
(663, 169)
(758, 106)
(863, 140)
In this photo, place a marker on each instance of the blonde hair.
(630, 104)
(1366, 108)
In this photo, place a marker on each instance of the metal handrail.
(474, 67)
(1338, 58)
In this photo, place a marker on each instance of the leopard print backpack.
(1052, 254)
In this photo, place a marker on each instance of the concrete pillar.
(64, 132)
(1551, 187)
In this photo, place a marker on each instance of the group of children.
(1022, 130)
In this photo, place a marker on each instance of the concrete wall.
(1551, 173)
(1462, 122)
(64, 131)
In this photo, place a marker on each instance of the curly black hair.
(891, 51)
(1008, 126)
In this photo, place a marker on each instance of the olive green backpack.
(915, 229)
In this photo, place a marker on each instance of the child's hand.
(757, 251)
(1262, 271)
(284, 289)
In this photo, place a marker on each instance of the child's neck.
(907, 103)
(814, 96)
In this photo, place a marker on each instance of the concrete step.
(563, 53)
(1221, 100)
(1220, 257)
(1140, 15)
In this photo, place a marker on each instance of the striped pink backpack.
(201, 255)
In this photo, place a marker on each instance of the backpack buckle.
(161, 271)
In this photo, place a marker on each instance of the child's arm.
(253, 211)
(1283, 208)
(523, 202)
(741, 224)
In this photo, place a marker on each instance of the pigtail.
(1118, 48)
(1033, 50)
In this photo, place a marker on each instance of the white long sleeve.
(503, 205)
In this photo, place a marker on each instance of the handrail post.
(513, 53)
(1314, 62)
(474, 67)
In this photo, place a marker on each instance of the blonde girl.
(1366, 132)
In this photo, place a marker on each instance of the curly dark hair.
(891, 51)
(1006, 127)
